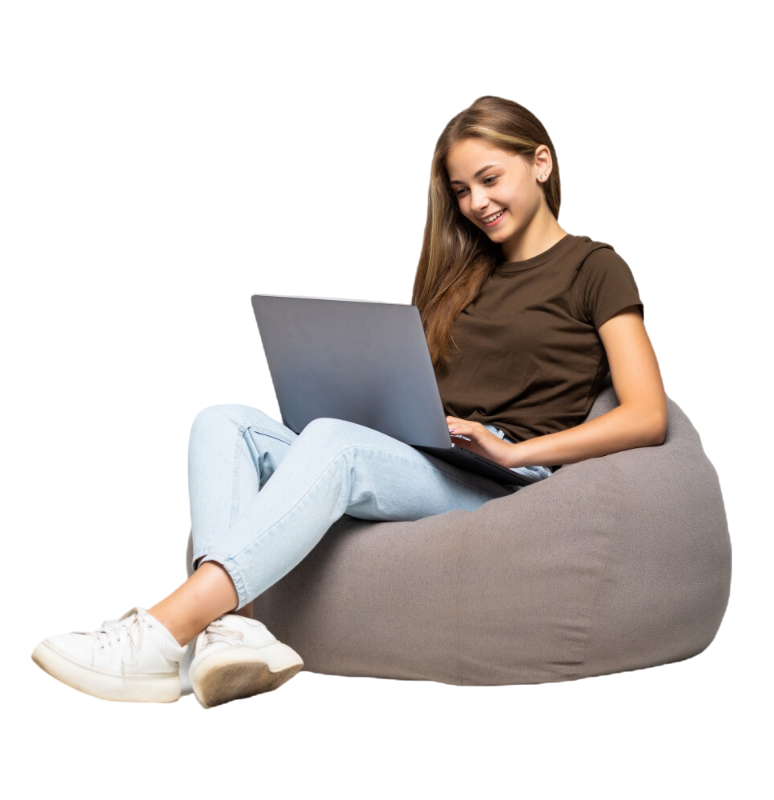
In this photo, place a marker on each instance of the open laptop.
(362, 362)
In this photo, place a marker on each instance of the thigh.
(383, 478)
(334, 468)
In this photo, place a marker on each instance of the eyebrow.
(483, 169)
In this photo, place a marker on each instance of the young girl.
(523, 322)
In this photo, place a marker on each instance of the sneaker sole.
(238, 672)
(121, 688)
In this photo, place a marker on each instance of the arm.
(639, 421)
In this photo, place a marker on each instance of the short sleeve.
(606, 286)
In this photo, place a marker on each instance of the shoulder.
(597, 255)
(590, 259)
(600, 261)
(605, 283)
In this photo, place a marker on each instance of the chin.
(498, 235)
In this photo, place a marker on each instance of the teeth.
(493, 217)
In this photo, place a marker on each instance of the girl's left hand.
(482, 440)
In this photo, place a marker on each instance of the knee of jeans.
(330, 433)
(208, 416)
(215, 416)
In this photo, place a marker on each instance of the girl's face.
(498, 191)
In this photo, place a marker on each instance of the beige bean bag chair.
(612, 564)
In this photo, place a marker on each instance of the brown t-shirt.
(531, 361)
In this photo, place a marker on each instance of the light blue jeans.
(263, 496)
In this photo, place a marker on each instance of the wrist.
(537, 451)
(517, 457)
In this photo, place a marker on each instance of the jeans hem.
(233, 572)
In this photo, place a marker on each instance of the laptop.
(363, 362)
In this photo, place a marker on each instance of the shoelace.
(219, 631)
(130, 627)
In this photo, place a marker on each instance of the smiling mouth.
(493, 217)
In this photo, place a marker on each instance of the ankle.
(181, 635)
(245, 611)
(205, 596)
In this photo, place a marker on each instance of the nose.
(478, 198)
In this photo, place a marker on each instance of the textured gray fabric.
(612, 564)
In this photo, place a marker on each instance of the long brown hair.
(457, 257)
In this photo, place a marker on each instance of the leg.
(335, 468)
(232, 453)
(259, 529)
(255, 535)
(205, 596)
(134, 658)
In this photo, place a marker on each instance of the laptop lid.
(371, 366)
(365, 362)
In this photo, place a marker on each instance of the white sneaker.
(237, 657)
(134, 658)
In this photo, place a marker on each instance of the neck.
(536, 239)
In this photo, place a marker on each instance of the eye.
(458, 192)
(492, 178)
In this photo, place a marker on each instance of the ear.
(542, 163)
